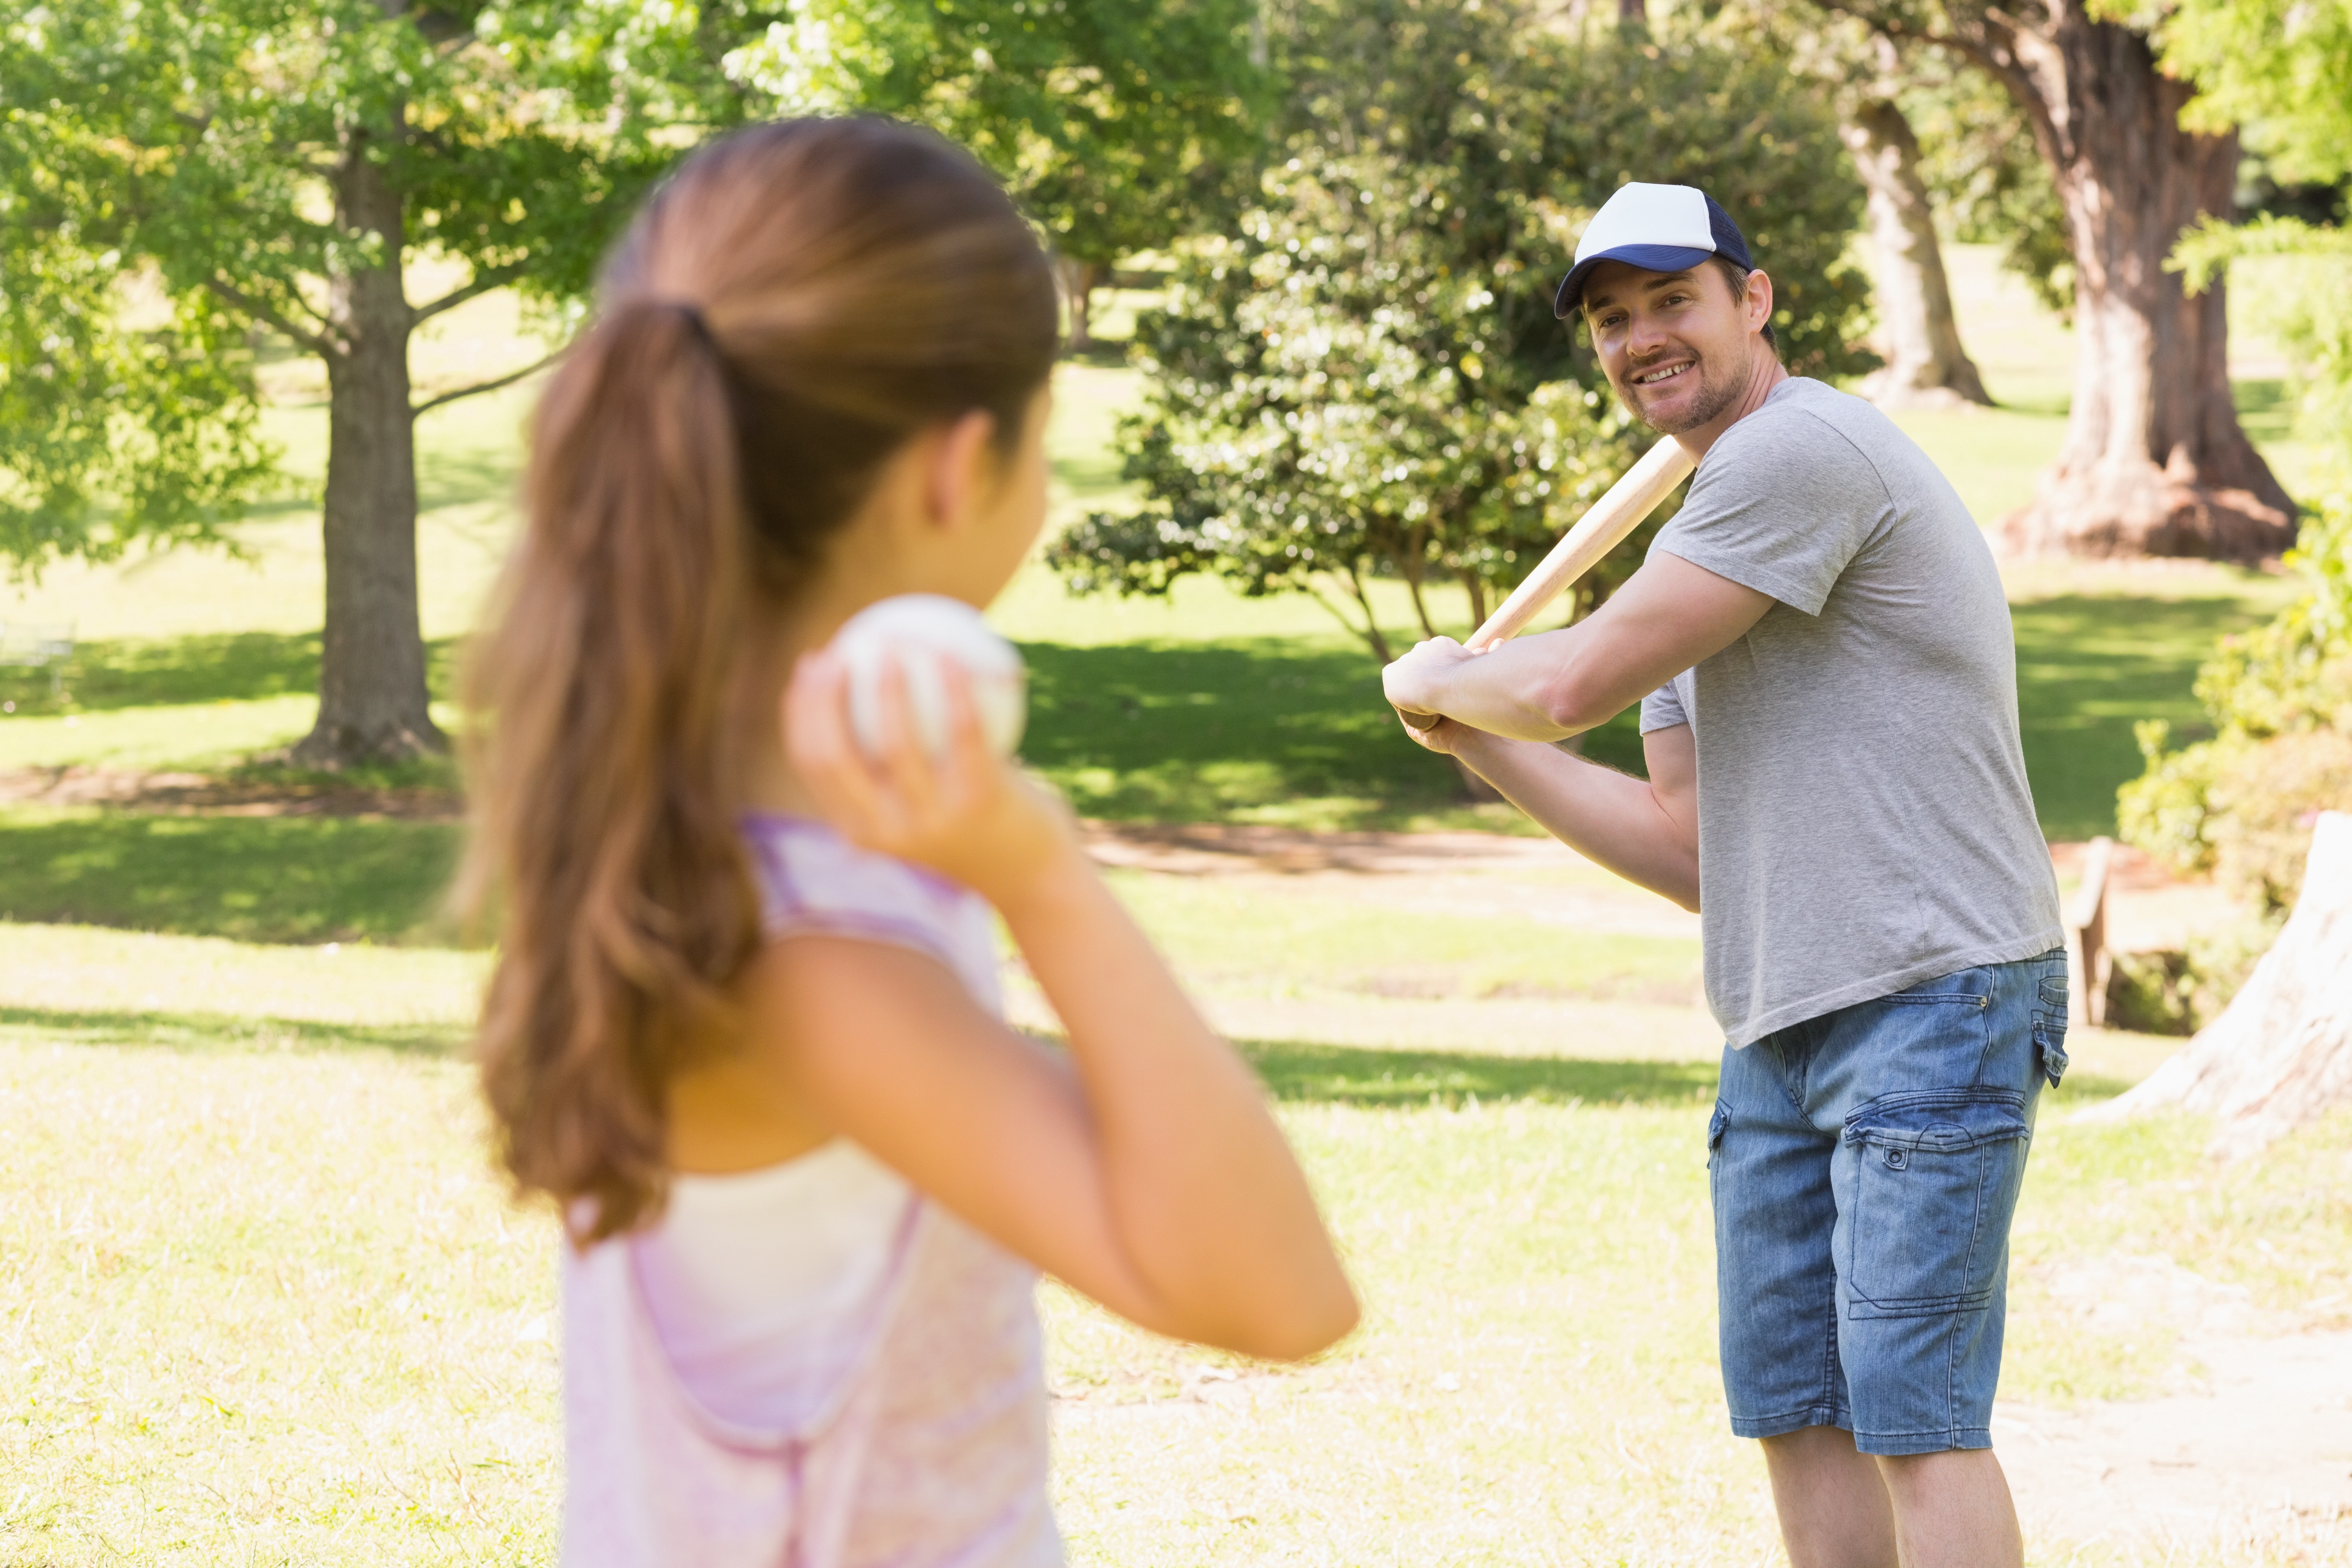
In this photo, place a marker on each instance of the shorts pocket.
(2050, 1027)
(1937, 1182)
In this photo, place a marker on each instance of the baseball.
(913, 631)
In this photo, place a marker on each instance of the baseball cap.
(1659, 228)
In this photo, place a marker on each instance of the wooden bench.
(2088, 963)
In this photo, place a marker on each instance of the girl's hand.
(972, 815)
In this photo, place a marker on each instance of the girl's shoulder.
(815, 881)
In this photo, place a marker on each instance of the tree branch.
(481, 283)
(492, 385)
(270, 315)
(1371, 629)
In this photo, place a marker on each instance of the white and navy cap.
(1659, 228)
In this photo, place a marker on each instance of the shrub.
(2242, 803)
(1365, 379)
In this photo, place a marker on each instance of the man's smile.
(1662, 373)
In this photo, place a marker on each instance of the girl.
(744, 1026)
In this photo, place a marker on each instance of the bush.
(1365, 378)
(2242, 804)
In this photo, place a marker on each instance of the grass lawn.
(266, 1304)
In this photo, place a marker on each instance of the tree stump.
(2281, 1054)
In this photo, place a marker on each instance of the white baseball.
(912, 631)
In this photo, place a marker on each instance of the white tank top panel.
(743, 1271)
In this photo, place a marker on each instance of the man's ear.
(1758, 302)
(960, 468)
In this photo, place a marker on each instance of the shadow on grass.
(2089, 669)
(468, 476)
(1345, 1075)
(196, 1033)
(1240, 729)
(253, 879)
(226, 666)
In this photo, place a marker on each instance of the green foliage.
(176, 178)
(2280, 699)
(1365, 377)
(1120, 124)
(2277, 67)
(2304, 304)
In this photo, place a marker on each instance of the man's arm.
(1670, 615)
(1645, 832)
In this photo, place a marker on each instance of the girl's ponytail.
(793, 305)
(607, 793)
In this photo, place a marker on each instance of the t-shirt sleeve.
(1781, 505)
(1662, 709)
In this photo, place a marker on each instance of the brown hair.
(792, 305)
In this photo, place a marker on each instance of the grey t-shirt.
(1864, 818)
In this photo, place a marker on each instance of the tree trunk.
(1080, 281)
(2155, 462)
(373, 704)
(1925, 365)
(2281, 1054)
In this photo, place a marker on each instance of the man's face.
(1676, 345)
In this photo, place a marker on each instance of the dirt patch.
(2252, 1443)
(203, 794)
(1214, 850)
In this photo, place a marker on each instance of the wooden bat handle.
(1596, 533)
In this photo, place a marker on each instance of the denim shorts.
(1865, 1166)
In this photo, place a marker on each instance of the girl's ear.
(961, 469)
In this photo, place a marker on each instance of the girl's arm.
(1153, 1179)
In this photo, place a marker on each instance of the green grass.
(257, 879)
(1250, 938)
(2093, 661)
(266, 1304)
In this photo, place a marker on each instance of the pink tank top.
(917, 1436)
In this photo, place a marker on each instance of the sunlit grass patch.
(1250, 938)
(265, 1308)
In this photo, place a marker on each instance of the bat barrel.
(1616, 514)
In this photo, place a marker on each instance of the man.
(1823, 657)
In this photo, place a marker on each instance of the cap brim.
(1648, 257)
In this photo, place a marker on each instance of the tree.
(2155, 461)
(1984, 173)
(1119, 124)
(265, 167)
(2255, 800)
(178, 179)
(1865, 77)
(1926, 364)
(1365, 378)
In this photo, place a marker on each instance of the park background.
(266, 1302)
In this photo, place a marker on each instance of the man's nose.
(1644, 338)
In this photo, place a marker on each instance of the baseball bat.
(1619, 510)
(1596, 533)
